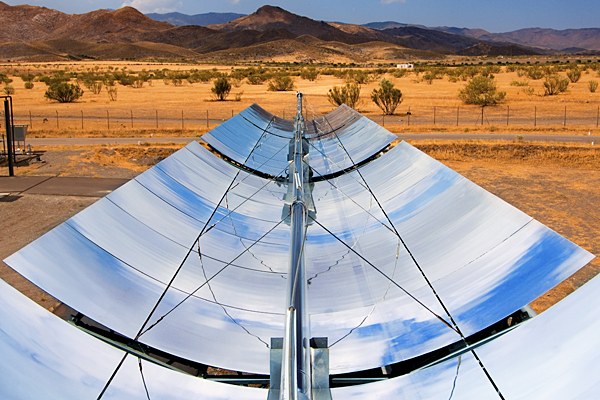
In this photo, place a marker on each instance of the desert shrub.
(348, 94)
(358, 76)
(535, 73)
(5, 79)
(221, 88)
(310, 74)
(592, 86)
(281, 83)
(429, 76)
(387, 97)
(112, 91)
(519, 83)
(574, 74)
(8, 89)
(28, 85)
(63, 92)
(481, 90)
(555, 84)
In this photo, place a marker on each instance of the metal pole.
(535, 116)
(482, 107)
(131, 115)
(108, 120)
(182, 126)
(434, 108)
(81, 119)
(507, 114)
(9, 134)
(565, 119)
(156, 119)
(30, 120)
(57, 127)
(206, 119)
(296, 372)
(597, 116)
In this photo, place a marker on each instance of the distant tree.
(63, 92)
(387, 97)
(481, 90)
(28, 85)
(574, 74)
(555, 84)
(348, 94)
(592, 86)
(221, 88)
(281, 83)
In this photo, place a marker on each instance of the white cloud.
(156, 6)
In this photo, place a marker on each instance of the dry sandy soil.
(557, 184)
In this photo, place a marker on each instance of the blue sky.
(492, 15)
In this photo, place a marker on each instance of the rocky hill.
(39, 33)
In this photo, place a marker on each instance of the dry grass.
(195, 100)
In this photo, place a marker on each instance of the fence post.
(108, 120)
(131, 115)
(597, 116)
(409, 114)
(206, 119)
(81, 119)
(156, 111)
(434, 108)
(457, 114)
(383, 120)
(565, 119)
(30, 120)
(534, 116)
(482, 107)
(182, 126)
(507, 114)
(57, 126)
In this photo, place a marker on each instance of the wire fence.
(406, 116)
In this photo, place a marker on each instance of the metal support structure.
(299, 366)
(296, 368)
(8, 121)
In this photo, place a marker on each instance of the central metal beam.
(296, 363)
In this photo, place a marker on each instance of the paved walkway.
(58, 185)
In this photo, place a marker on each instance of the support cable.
(385, 275)
(142, 329)
(429, 283)
(204, 230)
(143, 379)
(189, 295)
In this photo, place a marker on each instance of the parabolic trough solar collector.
(191, 256)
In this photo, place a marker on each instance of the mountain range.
(269, 34)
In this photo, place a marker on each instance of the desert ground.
(556, 183)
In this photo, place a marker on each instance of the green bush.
(387, 97)
(281, 83)
(310, 74)
(221, 88)
(555, 84)
(28, 85)
(348, 94)
(574, 74)
(592, 86)
(63, 92)
(481, 90)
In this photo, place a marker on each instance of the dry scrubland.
(555, 183)
(171, 107)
